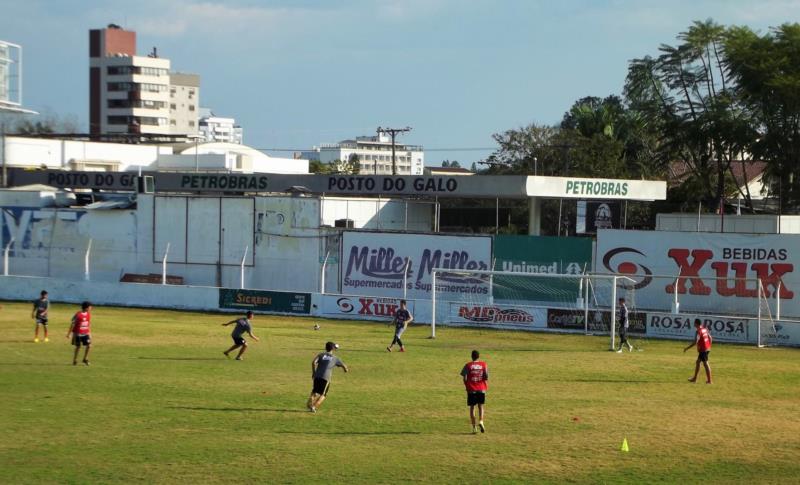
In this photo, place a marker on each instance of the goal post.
(532, 301)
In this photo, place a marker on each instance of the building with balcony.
(214, 128)
(374, 154)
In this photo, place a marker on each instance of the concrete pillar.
(534, 216)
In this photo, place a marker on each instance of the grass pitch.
(161, 404)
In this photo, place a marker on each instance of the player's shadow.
(236, 410)
(181, 358)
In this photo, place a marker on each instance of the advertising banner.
(375, 264)
(265, 301)
(599, 321)
(363, 307)
(779, 333)
(681, 326)
(593, 216)
(699, 258)
(499, 316)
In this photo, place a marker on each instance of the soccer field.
(161, 404)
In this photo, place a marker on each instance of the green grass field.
(161, 404)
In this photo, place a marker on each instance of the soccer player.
(402, 317)
(81, 331)
(622, 311)
(703, 341)
(40, 308)
(321, 371)
(476, 377)
(242, 326)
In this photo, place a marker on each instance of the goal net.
(530, 301)
(767, 332)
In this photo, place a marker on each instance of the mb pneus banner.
(265, 301)
(681, 326)
(699, 259)
(498, 316)
(363, 307)
(599, 321)
(375, 263)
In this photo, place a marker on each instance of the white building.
(218, 129)
(67, 154)
(374, 155)
(127, 93)
(184, 103)
(10, 75)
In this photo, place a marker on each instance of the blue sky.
(300, 73)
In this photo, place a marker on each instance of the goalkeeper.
(622, 311)
(402, 317)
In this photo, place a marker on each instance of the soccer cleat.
(74, 362)
(474, 430)
(36, 340)
(226, 355)
(388, 349)
(85, 362)
(239, 358)
(630, 348)
(402, 349)
(619, 351)
(693, 379)
(482, 427)
(46, 339)
(312, 409)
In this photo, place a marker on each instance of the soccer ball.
(316, 326)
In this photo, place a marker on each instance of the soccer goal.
(767, 332)
(531, 301)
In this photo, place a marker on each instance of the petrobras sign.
(699, 260)
(502, 316)
(363, 307)
(681, 326)
(378, 263)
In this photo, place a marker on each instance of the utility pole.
(393, 132)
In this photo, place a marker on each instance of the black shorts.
(78, 340)
(623, 334)
(703, 356)
(239, 340)
(41, 321)
(320, 386)
(474, 398)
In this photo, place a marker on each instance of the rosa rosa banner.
(374, 264)
(699, 259)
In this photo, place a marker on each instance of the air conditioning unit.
(344, 223)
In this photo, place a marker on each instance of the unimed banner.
(363, 307)
(374, 264)
(265, 301)
(699, 258)
(501, 316)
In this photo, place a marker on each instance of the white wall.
(746, 223)
(33, 152)
(391, 214)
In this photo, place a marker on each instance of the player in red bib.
(703, 341)
(81, 331)
(476, 377)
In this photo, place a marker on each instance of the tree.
(767, 74)
(453, 164)
(687, 96)
(528, 150)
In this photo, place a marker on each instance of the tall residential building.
(184, 103)
(374, 155)
(219, 129)
(127, 93)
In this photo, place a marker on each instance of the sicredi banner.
(498, 316)
(363, 307)
(699, 258)
(265, 301)
(375, 264)
(681, 326)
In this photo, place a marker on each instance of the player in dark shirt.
(321, 371)
(622, 312)
(41, 307)
(402, 317)
(242, 326)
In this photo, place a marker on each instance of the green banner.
(539, 255)
(265, 301)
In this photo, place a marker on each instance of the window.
(172, 106)
(191, 107)
(191, 123)
(172, 122)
